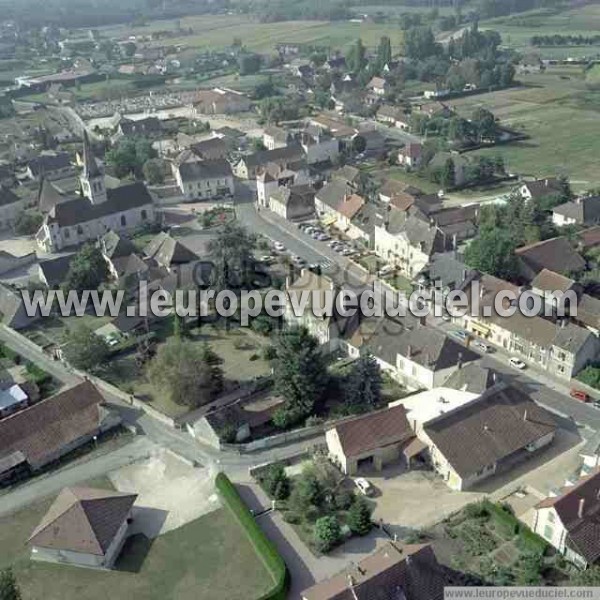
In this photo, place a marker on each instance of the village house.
(318, 144)
(169, 253)
(337, 204)
(408, 242)
(378, 86)
(394, 115)
(294, 203)
(561, 348)
(568, 520)
(50, 165)
(417, 356)
(541, 188)
(584, 210)
(409, 572)
(11, 207)
(474, 437)
(220, 101)
(250, 165)
(79, 219)
(40, 434)
(273, 176)
(556, 254)
(328, 329)
(371, 441)
(410, 155)
(85, 527)
(275, 137)
(204, 179)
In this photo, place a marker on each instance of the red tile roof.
(83, 520)
(374, 430)
(41, 431)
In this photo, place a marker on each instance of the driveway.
(406, 501)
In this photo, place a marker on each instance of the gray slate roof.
(206, 169)
(81, 210)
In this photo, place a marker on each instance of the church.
(71, 220)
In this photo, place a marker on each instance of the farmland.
(517, 30)
(559, 111)
(218, 31)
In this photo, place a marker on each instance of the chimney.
(459, 361)
(409, 352)
(481, 291)
(525, 416)
(486, 428)
(580, 508)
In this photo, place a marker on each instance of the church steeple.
(92, 178)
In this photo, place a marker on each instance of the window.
(123, 221)
(548, 532)
(67, 234)
(79, 230)
(144, 215)
(551, 517)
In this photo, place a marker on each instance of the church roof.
(81, 210)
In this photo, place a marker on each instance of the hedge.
(265, 549)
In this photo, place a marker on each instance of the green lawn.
(235, 347)
(207, 559)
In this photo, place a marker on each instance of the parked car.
(323, 237)
(579, 395)
(387, 270)
(363, 485)
(461, 334)
(279, 246)
(516, 363)
(596, 404)
(446, 317)
(482, 346)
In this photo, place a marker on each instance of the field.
(219, 31)
(208, 559)
(517, 30)
(559, 111)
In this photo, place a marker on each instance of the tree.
(448, 174)
(493, 252)
(185, 372)
(232, 253)
(249, 63)
(129, 155)
(328, 533)
(355, 58)
(363, 389)
(153, 171)
(359, 144)
(28, 222)
(277, 482)
(87, 270)
(384, 52)
(85, 350)
(307, 494)
(359, 517)
(299, 370)
(9, 589)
